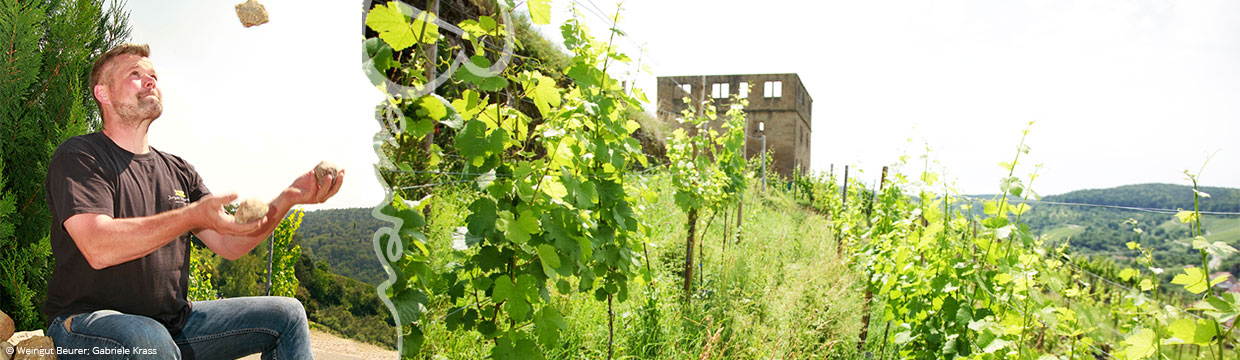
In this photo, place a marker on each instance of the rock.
(6, 326)
(250, 210)
(35, 348)
(6, 350)
(251, 13)
(325, 168)
(23, 335)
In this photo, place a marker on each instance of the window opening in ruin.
(773, 89)
(719, 90)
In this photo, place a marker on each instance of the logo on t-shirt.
(178, 197)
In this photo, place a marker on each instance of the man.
(122, 213)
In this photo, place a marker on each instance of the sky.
(253, 108)
(1122, 92)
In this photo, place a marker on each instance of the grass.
(779, 292)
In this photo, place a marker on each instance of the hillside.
(342, 239)
(1104, 231)
(1162, 196)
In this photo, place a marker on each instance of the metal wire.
(1117, 207)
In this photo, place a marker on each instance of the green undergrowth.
(780, 291)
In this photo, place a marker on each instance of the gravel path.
(329, 347)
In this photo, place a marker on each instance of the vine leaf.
(548, 323)
(1218, 248)
(410, 304)
(1223, 308)
(540, 11)
(508, 348)
(550, 260)
(1141, 344)
(1186, 216)
(542, 89)
(518, 228)
(1193, 279)
(1188, 331)
(482, 216)
(396, 30)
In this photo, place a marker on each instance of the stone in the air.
(251, 13)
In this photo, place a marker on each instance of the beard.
(143, 108)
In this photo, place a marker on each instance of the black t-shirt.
(91, 174)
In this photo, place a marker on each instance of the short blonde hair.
(101, 63)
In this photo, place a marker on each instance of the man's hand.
(307, 189)
(106, 241)
(210, 211)
(231, 240)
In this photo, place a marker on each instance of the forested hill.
(1105, 231)
(342, 238)
(1160, 196)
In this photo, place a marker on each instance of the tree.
(49, 47)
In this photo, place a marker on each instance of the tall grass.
(779, 292)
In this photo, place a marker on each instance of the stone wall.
(788, 117)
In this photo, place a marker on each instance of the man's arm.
(307, 189)
(105, 241)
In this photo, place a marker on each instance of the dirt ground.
(329, 347)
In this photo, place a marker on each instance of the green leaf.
(1193, 279)
(421, 127)
(483, 81)
(410, 304)
(544, 93)
(433, 107)
(1217, 248)
(497, 141)
(390, 23)
(1147, 285)
(518, 309)
(586, 76)
(413, 341)
(379, 54)
(519, 230)
(424, 28)
(1223, 308)
(472, 142)
(504, 290)
(488, 23)
(990, 207)
(1188, 331)
(548, 323)
(1186, 216)
(1128, 273)
(547, 254)
(517, 295)
(482, 217)
(554, 188)
(540, 11)
(494, 83)
(1141, 344)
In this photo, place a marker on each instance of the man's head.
(124, 84)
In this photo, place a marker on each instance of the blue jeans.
(216, 329)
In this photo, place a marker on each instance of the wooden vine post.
(869, 291)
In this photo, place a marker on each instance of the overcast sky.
(1123, 92)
